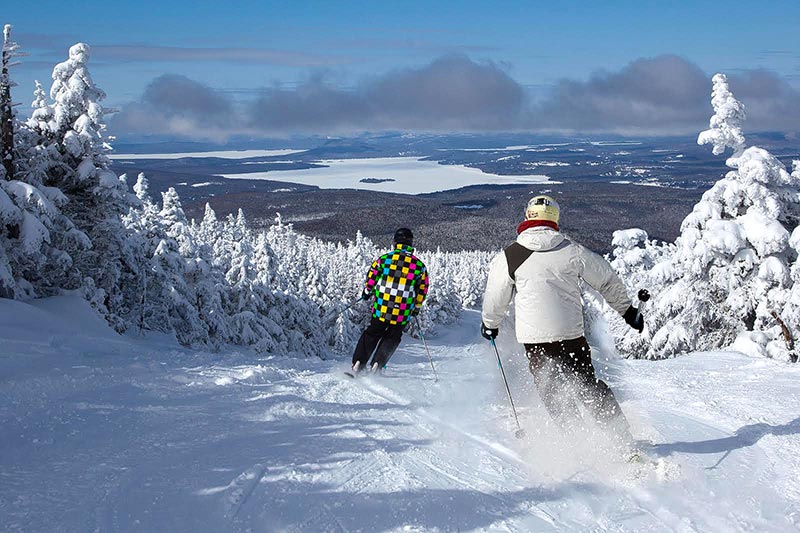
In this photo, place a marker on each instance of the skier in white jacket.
(546, 271)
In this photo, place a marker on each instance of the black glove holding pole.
(633, 317)
(488, 333)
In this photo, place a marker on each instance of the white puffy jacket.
(548, 287)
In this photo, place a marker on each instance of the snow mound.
(58, 316)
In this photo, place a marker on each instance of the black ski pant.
(381, 335)
(563, 373)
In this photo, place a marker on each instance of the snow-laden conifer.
(8, 52)
(98, 199)
(35, 234)
(725, 125)
(729, 271)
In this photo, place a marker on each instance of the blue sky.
(238, 48)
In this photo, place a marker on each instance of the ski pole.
(421, 336)
(338, 313)
(520, 432)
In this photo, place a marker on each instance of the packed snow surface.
(110, 433)
(225, 154)
(410, 175)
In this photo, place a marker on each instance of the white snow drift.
(103, 432)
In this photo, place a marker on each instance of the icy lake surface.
(410, 175)
(227, 154)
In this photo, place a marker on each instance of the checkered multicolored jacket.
(399, 282)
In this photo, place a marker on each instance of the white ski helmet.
(542, 208)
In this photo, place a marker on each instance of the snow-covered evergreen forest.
(68, 223)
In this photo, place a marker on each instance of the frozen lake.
(405, 175)
(227, 154)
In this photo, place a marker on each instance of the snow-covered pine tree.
(175, 264)
(209, 232)
(343, 273)
(209, 279)
(97, 197)
(10, 214)
(42, 113)
(640, 263)
(789, 324)
(43, 158)
(467, 269)
(150, 310)
(442, 306)
(243, 300)
(729, 272)
(273, 302)
(33, 232)
(10, 217)
(291, 249)
(725, 125)
(10, 50)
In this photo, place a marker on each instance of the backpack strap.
(516, 254)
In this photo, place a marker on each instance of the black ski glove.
(366, 295)
(634, 319)
(488, 333)
(415, 312)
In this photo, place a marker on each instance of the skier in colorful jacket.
(398, 281)
(544, 273)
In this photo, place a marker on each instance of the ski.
(352, 373)
(375, 370)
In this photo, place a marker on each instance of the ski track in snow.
(110, 433)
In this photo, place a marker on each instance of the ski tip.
(350, 375)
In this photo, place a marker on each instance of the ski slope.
(109, 433)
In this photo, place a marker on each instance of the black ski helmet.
(404, 236)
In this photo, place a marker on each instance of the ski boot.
(353, 372)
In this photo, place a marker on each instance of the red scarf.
(528, 224)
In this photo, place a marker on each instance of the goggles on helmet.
(543, 200)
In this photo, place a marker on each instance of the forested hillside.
(68, 223)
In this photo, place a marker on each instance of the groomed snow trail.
(109, 433)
